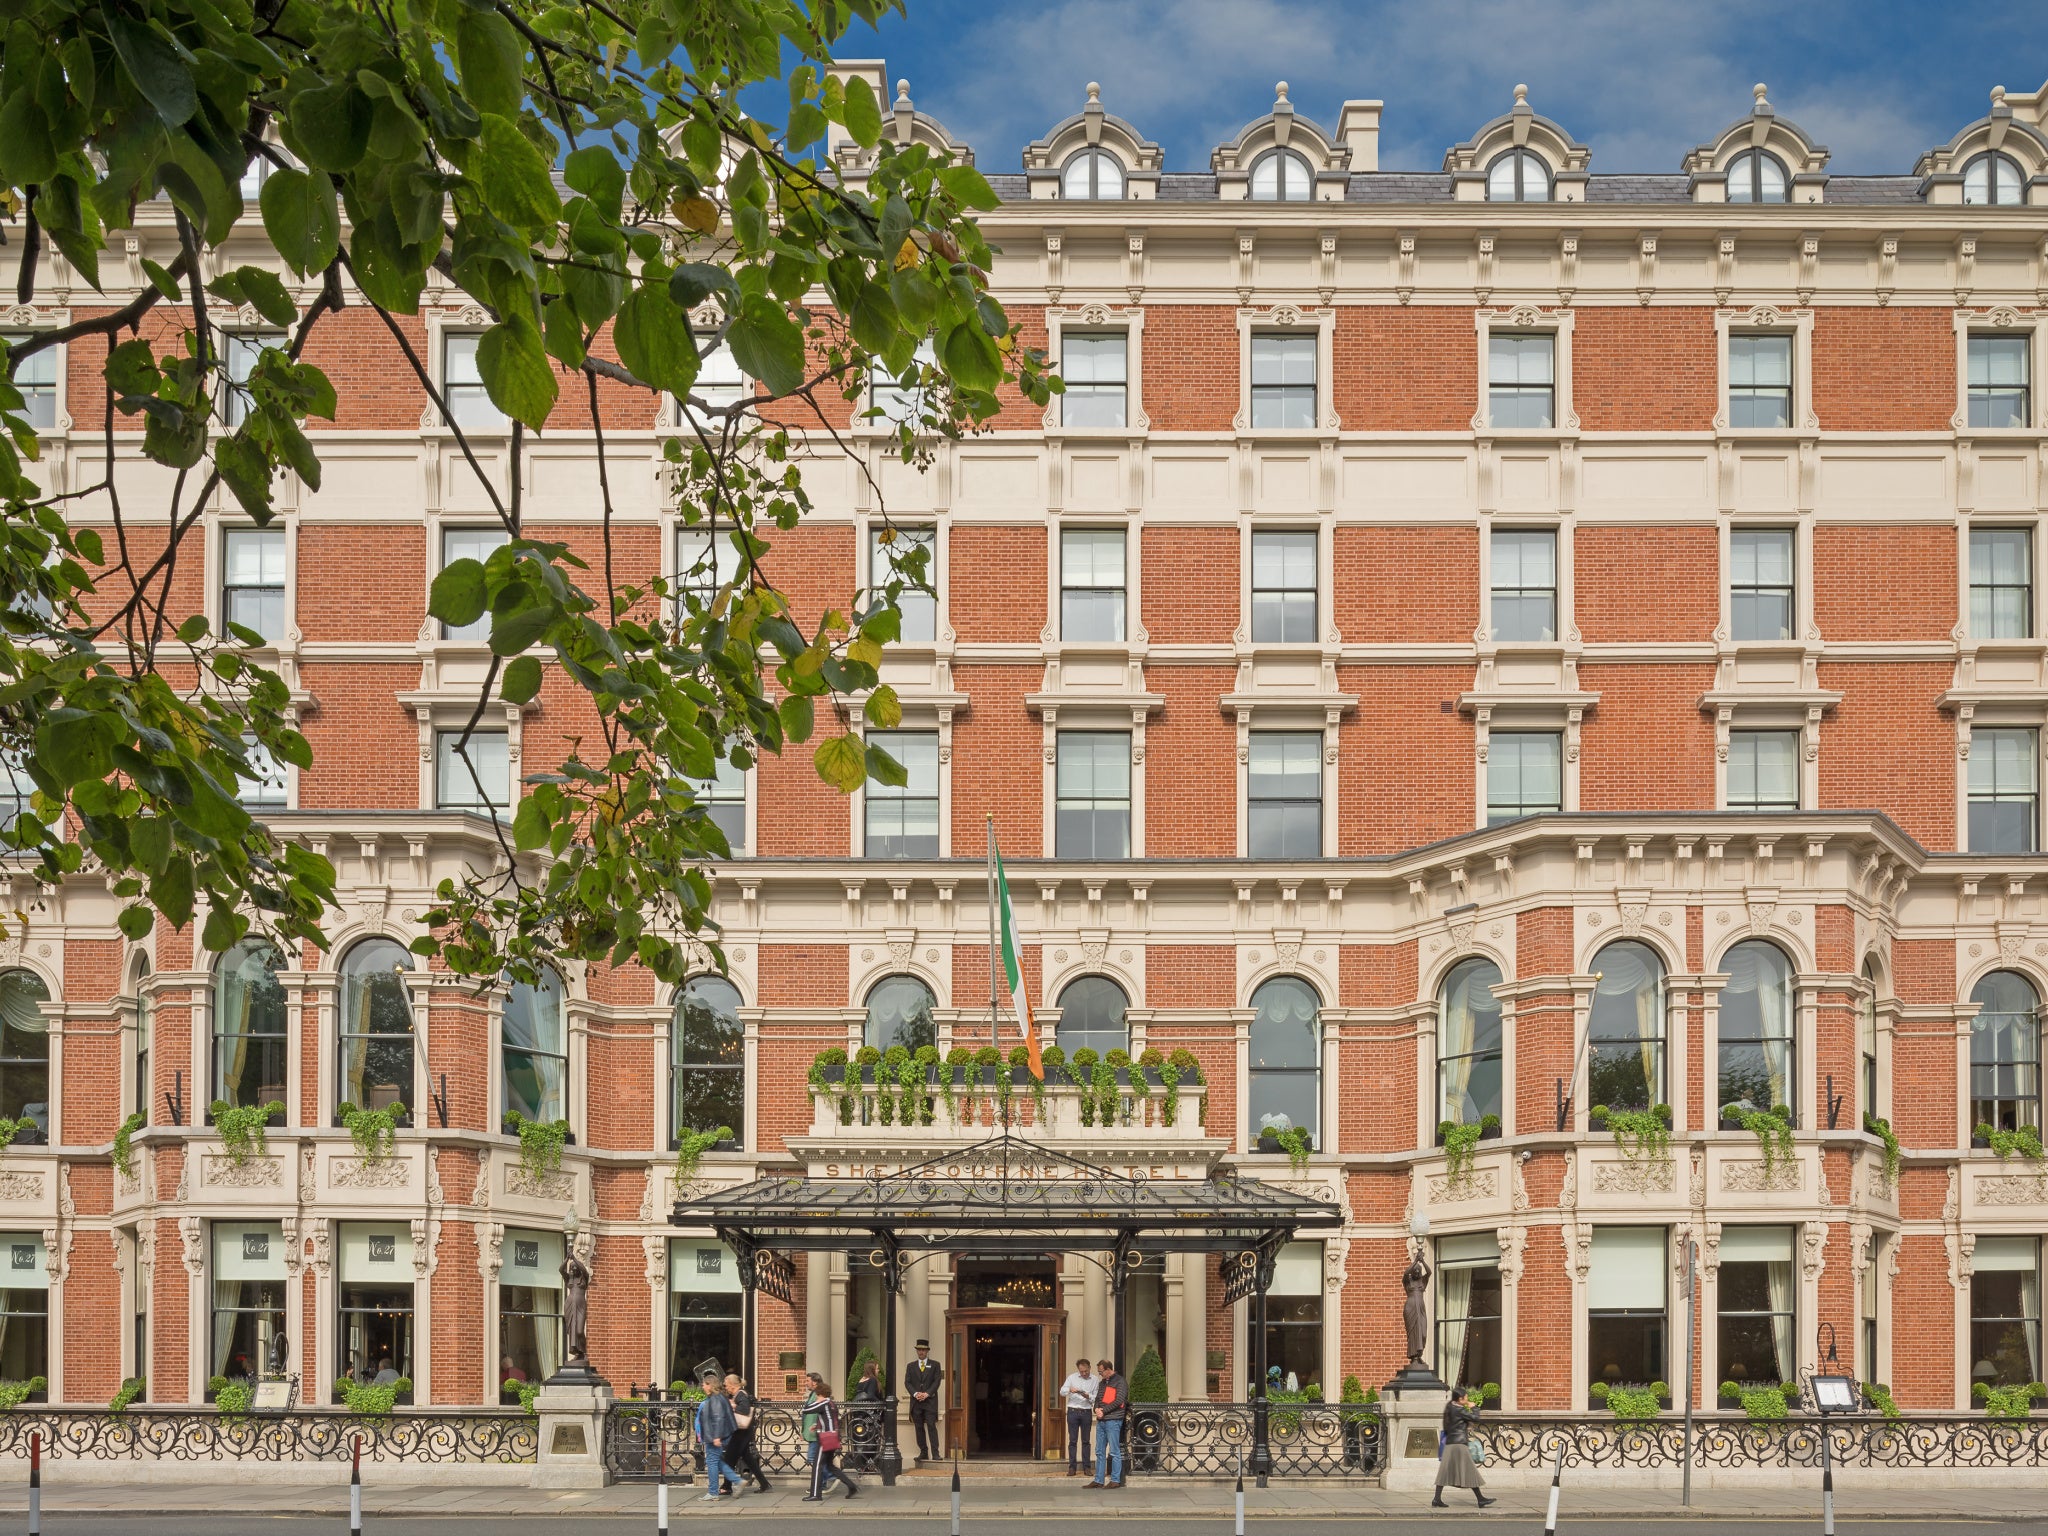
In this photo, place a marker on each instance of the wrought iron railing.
(204, 1434)
(1208, 1439)
(1944, 1440)
(639, 1433)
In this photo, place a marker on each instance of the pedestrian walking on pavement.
(1455, 1467)
(1079, 1391)
(715, 1427)
(1110, 1408)
(741, 1453)
(821, 1432)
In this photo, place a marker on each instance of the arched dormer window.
(900, 1013)
(1625, 1028)
(249, 1027)
(707, 1075)
(1757, 1052)
(1286, 1057)
(1281, 176)
(1092, 1016)
(1994, 180)
(1757, 176)
(1519, 176)
(1093, 175)
(1468, 1043)
(377, 1040)
(2005, 1052)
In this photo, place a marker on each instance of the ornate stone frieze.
(2010, 1188)
(362, 1173)
(256, 1173)
(1473, 1184)
(1636, 1176)
(543, 1186)
(17, 1184)
(1751, 1177)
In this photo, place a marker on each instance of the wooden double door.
(1004, 1366)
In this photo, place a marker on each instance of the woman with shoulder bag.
(1455, 1465)
(746, 1408)
(821, 1433)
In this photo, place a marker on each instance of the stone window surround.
(1562, 717)
(1766, 713)
(918, 715)
(19, 318)
(1322, 321)
(1527, 319)
(1990, 712)
(440, 322)
(1767, 319)
(1275, 712)
(1561, 527)
(1131, 525)
(449, 709)
(1127, 318)
(1091, 715)
(1328, 640)
(1805, 632)
(2034, 523)
(2001, 320)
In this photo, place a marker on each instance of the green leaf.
(137, 923)
(331, 124)
(489, 56)
(883, 709)
(522, 680)
(152, 62)
(597, 174)
(513, 178)
(458, 595)
(172, 892)
(224, 928)
(131, 369)
(300, 218)
(841, 763)
(874, 319)
(767, 344)
(193, 630)
(654, 340)
(73, 746)
(149, 840)
(246, 474)
(863, 113)
(28, 147)
(160, 278)
(515, 369)
(529, 824)
(695, 281)
(806, 126)
(884, 769)
(798, 717)
(969, 188)
(917, 300)
(513, 632)
(971, 357)
(261, 288)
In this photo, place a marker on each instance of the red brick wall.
(997, 583)
(1884, 583)
(1644, 370)
(998, 763)
(1406, 370)
(1886, 747)
(1883, 370)
(1646, 584)
(1191, 767)
(1405, 767)
(1191, 363)
(1647, 743)
(334, 602)
(1376, 603)
(1191, 587)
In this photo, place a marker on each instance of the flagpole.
(995, 1018)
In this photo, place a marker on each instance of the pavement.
(922, 1504)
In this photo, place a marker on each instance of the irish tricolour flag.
(1013, 968)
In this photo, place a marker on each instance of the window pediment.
(1094, 129)
(1285, 144)
(1520, 129)
(1761, 158)
(2000, 135)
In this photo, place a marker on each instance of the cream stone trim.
(2027, 710)
(1531, 320)
(2001, 319)
(1100, 318)
(1279, 318)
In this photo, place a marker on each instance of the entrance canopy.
(1007, 1194)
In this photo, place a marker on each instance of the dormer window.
(1992, 180)
(1519, 176)
(1757, 176)
(1094, 175)
(1281, 176)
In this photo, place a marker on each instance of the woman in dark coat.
(1455, 1467)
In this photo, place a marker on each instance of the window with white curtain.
(903, 819)
(476, 778)
(1757, 1052)
(1094, 175)
(1524, 595)
(1756, 176)
(529, 1309)
(2001, 583)
(1468, 1310)
(1760, 584)
(248, 1298)
(1521, 379)
(24, 1049)
(1095, 368)
(1281, 176)
(36, 378)
(1092, 795)
(462, 385)
(2005, 789)
(1284, 795)
(1519, 176)
(1283, 587)
(707, 1072)
(376, 1038)
(2005, 1052)
(477, 544)
(1998, 381)
(250, 1026)
(1763, 770)
(1283, 381)
(1757, 1337)
(240, 353)
(1625, 1028)
(1285, 1058)
(1468, 1043)
(900, 1013)
(1759, 381)
(2005, 1311)
(536, 1049)
(1625, 1303)
(1092, 584)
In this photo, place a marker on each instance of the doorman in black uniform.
(921, 1381)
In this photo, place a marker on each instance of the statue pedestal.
(572, 1405)
(1412, 1411)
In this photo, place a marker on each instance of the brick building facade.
(1495, 642)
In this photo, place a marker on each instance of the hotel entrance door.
(1002, 1370)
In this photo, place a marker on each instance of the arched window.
(1468, 1044)
(707, 1075)
(1519, 176)
(1093, 176)
(536, 1049)
(1866, 1038)
(1281, 176)
(1092, 1015)
(2005, 1052)
(24, 1049)
(1757, 176)
(249, 1027)
(1625, 1033)
(1994, 180)
(376, 1027)
(1286, 1057)
(1757, 1056)
(900, 1013)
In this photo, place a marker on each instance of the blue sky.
(1641, 81)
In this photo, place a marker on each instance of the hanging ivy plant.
(2026, 1141)
(1880, 1397)
(540, 1143)
(1636, 1132)
(14, 1393)
(990, 1060)
(2011, 1404)
(1882, 1130)
(835, 1056)
(1460, 1142)
(1104, 1081)
(1294, 1141)
(1772, 1128)
(892, 1099)
(375, 1131)
(241, 1128)
(124, 1145)
(1169, 1084)
(924, 1061)
(1082, 1070)
(1631, 1403)
(958, 1060)
(691, 1147)
(1763, 1404)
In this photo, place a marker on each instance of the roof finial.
(903, 92)
(1094, 93)
(1279, 93)
(1998, 95)
(1521, 95)
(1757, 91)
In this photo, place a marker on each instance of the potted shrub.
(1147, 1428)
(1356, 1414)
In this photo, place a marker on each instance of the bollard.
(1556, 1471)
(1239, 1529)
(1827, 1485)
(355, 1490)
(956, 1493)
(661, 1484)
(35, 1483)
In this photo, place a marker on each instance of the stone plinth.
(572, 1417)
(1412, 1409)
